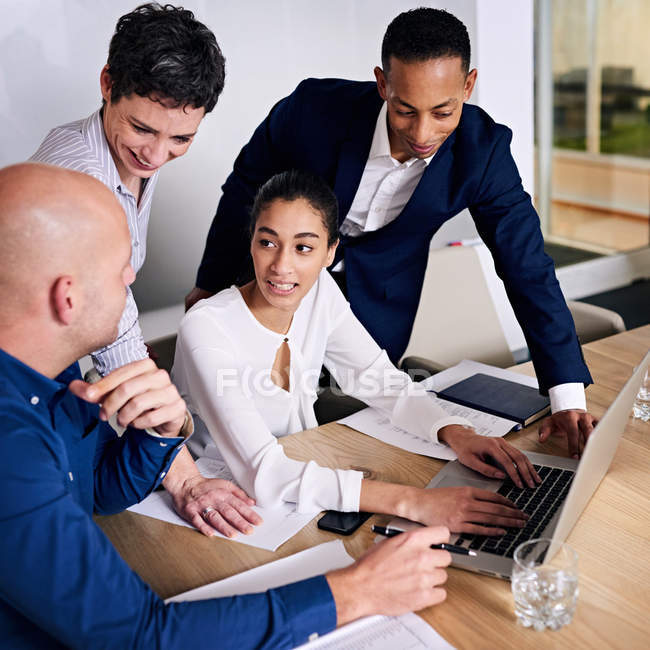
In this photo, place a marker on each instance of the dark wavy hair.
(165, 51)
(423, 34)
(297, 184)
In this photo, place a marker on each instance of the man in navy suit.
(404, 155)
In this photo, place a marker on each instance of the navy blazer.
(326, 126)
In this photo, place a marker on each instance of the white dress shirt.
(385, 187)
(82, 146)
(384, 190)
(224, 357)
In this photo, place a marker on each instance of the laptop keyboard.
(541, 503)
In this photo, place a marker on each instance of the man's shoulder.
(15, 410)
(330, 106)
(336, 97)
(18, 413)
(31, 456)
(478, 130)
(22, 429)
(339, 88)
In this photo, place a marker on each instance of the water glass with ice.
(641, 408)
(545, 583)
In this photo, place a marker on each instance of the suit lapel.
(354, 154)
(432, 190)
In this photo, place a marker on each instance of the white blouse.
(222, 368)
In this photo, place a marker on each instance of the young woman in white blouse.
(248, 361)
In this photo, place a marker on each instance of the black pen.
(391, 532)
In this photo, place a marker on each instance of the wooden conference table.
(612, 536)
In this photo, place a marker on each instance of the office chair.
(593, 322)
(464, 313)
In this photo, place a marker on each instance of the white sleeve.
(206, 369)
(566, 397)
(363, 370)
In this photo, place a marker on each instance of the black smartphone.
(343, 523)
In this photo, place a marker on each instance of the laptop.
(555, 505)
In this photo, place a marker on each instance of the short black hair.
(164, 51)
(423, 34)
(297, 184)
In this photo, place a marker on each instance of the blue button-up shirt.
(61, 581)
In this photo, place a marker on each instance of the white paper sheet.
(485, 424)
(280, 524)
(407, 632)
(300, 566)
(376, 424)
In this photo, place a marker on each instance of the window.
(599, 197)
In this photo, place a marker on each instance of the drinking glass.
(545, 583)
(641, 408)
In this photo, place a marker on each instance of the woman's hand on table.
(211, 504)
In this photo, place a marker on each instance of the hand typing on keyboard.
(461, 509)
(539, 505)
(482, 454)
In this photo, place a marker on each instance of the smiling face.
(144, 134)
(424, 102)
(289, 250)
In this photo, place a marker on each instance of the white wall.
(51, 52)
(502, 51)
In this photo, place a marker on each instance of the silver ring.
(207, 511)
(515, 464)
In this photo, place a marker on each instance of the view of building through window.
(600, 197)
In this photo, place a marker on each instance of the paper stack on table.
(280, 524)
(371, 633)
(376, 424)
(406, 632)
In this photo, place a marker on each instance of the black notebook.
(501, 397)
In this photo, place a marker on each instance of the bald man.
(155, 92)
(64, 269)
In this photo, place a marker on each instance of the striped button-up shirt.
(82, 146)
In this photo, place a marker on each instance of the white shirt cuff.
(565, 397)
(351, 492)
(443, 422)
